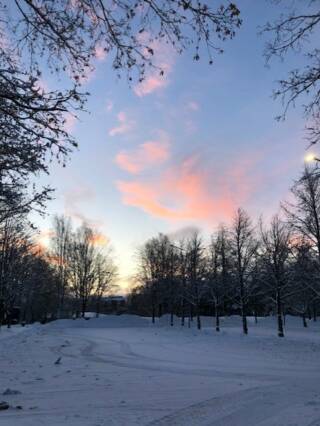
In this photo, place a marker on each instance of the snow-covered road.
(125, 371)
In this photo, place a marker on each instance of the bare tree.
(304, 277)
(69, 32)
(38, 298)
(297, 30)
(275, 253)
(219, 272)
(14, 248)
(82, 261)
(106, 273)
(245, 248)
(27, 280)
(195, 266)
(303, 212)
(182, 277)
(158, 266)
(32, 126)
(60, 248)
(149, 274)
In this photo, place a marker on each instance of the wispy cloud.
(148, 154)
(99, 239)
(124, 125)
(183, 233)
(158, 77)
(150, 84)
(76, 201)
(189, 192)
(109, 105)
(193, 106)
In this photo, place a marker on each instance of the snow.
(123, 370)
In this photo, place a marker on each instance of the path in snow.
(126, 371)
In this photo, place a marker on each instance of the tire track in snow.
(242, 408)
(130, 360)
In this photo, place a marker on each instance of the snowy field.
(122, 370)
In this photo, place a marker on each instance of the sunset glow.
(178, 150)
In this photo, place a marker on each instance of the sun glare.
(309, 158)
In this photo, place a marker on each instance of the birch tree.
(275, 253)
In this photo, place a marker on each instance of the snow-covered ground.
(122, 370)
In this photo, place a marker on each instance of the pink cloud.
(148, 154)
(109, 105)
(193, 106)
(76, 200)
(163, 59)
(189, 192)
(69, 122)
(124, 125)
(150, 84)
(99, 239)
(42, 85)
(100, 53)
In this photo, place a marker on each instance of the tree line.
(74, 273)
(246, 269)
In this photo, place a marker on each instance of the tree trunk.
(182, 312)
(217, 317)
(279, 315)
(171, 318)
(244, 321)
(1, 312)
(198, 318)
(9, 320)
(83, 308)
(314, 312)
(243, 311)
(153, 313)
(198, 322)
(309, 313)
(190, 316)
(304, 321)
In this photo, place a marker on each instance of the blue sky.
(183, 151)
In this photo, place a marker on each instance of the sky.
(180, 151)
